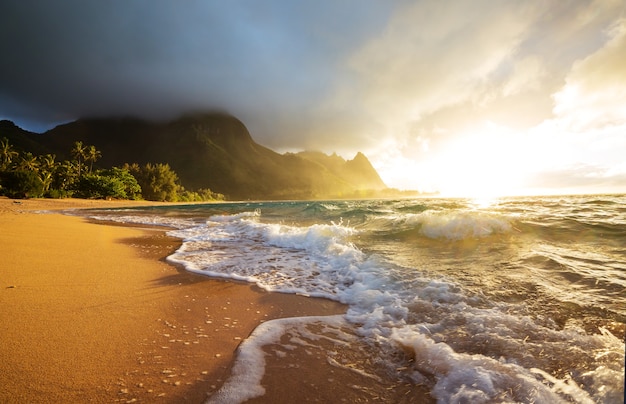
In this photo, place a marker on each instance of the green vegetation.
(24, 175)
(116, 183)
(21, 184)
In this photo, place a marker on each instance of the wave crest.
(462, 225)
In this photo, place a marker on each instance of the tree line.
(25, 175)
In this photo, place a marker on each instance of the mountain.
(356, 171)
(21, 139)
(209, 150)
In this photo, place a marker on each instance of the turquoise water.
(508, 300)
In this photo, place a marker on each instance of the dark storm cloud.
(262, 61)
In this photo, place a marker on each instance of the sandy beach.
(92, 312)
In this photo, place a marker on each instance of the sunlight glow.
(481, 165)
(490, 161)
(574, 144)
(484, 162)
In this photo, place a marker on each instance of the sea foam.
(246, 375)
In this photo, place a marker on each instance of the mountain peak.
(213, 150)
(362, 171)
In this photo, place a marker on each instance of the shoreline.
(92, 312)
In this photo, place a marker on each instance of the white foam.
(229, 218)
(171, 222)
(472, 378)
(249, 368)
(317, 260)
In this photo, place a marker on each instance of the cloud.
(264, 62)
(526, 75)
(579, 178)
(434, 55)
(583, 143)
(595, 91)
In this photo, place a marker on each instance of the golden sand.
(92, 312)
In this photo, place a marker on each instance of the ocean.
(475, 301)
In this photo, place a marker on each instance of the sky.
(466, 98)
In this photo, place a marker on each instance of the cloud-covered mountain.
(209, 150)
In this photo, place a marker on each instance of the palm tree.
(66, 174)
(48, 162)
(79, 152)
(28, 162)
(46, 178)
(47, 169)
(92, 155)
(7, 153)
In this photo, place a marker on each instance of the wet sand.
(92, 312)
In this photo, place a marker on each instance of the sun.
(484, 164)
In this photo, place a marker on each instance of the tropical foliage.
(21, 183)
(115, 183)
(158, 182)
(24, 175)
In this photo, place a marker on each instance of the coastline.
(93, 313)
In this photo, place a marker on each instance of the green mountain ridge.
(209, 150)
